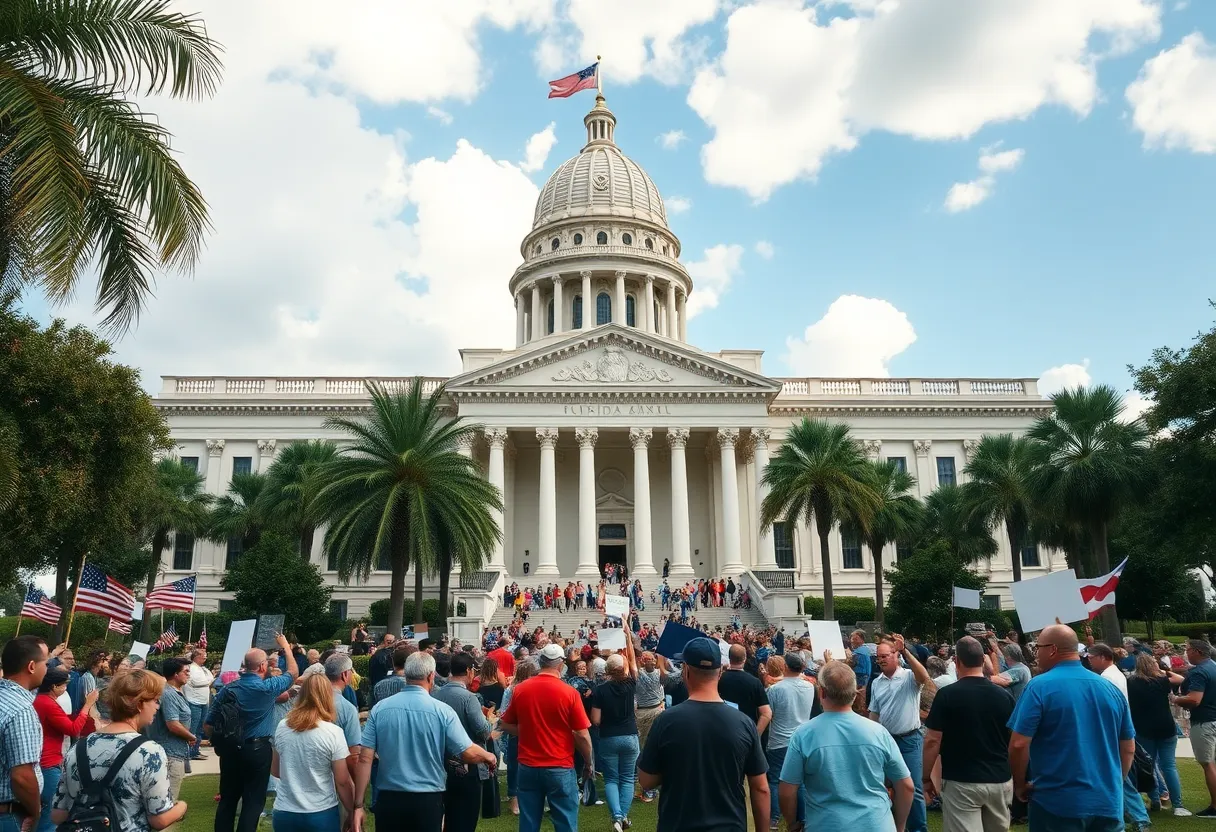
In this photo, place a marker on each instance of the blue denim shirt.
(255, 696)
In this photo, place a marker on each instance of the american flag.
(119, 627)
(167, 639)
(38, 606)
(584, 79)
(202, 637)
(178, 595)
(100, 593)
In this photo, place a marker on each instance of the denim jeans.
(198, 713)
(327, 820)
(912, 749)
(618, 757)
(1133, 804)
(8, 823)
(776, 759)
(1042, 820)
(1162, 752)
(559, 786)
(512, 758)
(50, 783)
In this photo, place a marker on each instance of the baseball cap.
(551, 653)
(794, 662)
(701, 653)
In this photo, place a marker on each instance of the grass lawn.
(200, 790)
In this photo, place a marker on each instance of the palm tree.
(287, 500)
(966, 534)
(1088, 464)
(176, 503)
(999, 489)
(820, 472)
(87, 180)
(897, 518)
(9, 463)
(238, 513)
(403, 491)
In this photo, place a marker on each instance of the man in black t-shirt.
(700, 751)
(744, 691)
(967, 726)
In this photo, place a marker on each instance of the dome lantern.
(601, 124)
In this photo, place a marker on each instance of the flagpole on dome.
(599, 77)
(76, 594)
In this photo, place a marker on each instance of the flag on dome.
(119, 627)
(584, 79)
(38, 605)
(178, 595)
(1099, 592)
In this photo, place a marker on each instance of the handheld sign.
(612, 639)
(240, 638)
(966, 598)
(137, 612)
(616, 606)
(825, 635)
(675, 636)
(140, 649)
(1040, 601)
(267, 632)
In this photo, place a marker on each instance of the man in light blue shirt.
(895, 704)
(793, 702)
(843, 761)
(413, 733)
(339, 669)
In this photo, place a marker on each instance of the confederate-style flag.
(1098, 592)
(584, 79)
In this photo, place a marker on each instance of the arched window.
(550, 330)
(556, 242)
(650, 244)
(578, 312)
(630, 306)
(664, 249)
(603, 309)
(627, 239)
(539, 248)
(601, 239)
(578, 239)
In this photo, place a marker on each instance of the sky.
(861, 187)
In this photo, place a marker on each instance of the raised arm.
(918, 670)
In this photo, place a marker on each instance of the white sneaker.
(616, 826)
(1180, 812)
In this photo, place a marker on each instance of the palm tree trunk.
(419, 618)
(306, 536)
(825, 561)
(400, 560)
(445, 584)
(159, 538)
(1110, 616)
(1015, 550)
(879, 614)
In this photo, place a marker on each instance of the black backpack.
(227, 724)
(94, 809)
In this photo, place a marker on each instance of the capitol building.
(612, 438)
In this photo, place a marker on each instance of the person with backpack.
(241, 722)
(116, 778)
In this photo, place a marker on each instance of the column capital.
(651, 278)
(266, 447)
(555, 278)
(969, 448)
(727, 437)
(586, 437)
(621, 274)
(872, 447)
(640, 437)
(496, 437)
(761, 436)
(677, 437)
(585, 274)
(922, 446)
(466, 441)
(547, 437)
(215, 447)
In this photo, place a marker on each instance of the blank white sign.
(240, 639)
(612, 639)
(616, 605)
(1040, 601)
(825, 635)
(139, 649)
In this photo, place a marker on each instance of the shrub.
(377, 613)
(849, 608)
(1199, 629)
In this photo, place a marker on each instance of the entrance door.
(611, 553)
(613, 538)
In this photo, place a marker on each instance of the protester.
(198, 696)
(968, 727)
(310, 760)
(395, 683)
(140, 792)
(171, 727)
(525, 669)
(613, 710)
(245, 770)
(744, 691)
(792, 699)
(840, 761)
(724, 744)
(1199, 699)
(1074, 731)
(895, 704)
(56, 725)
(1016, 674)
(23, 661)
(63, 657)
(413, 734)
(462, 794)
(381, 665)
(338, 670)
(491, 688)
(1104, 662)
(1148, 694)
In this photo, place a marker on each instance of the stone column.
(464, 445)
(732, 557)
(588, 301)
(643, 560)
(672, 331)
(681, 550)
(546, 565)
(648, 318)
(557, 303)
(497, 438)
(924, 476)
(215, 456)
(618, 305)
(588, 531)
(266, 448)
(682, 312)
(766, 553)
(538, 319)
(521, 334)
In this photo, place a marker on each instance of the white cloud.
(993, 161)
(1055, 379)
(441, 116)
(765, 249)
(1134, 406)
(677, 204)
(1174, 97)
(796, 84)
(671, 139)
(538, 147)
(856, 337)
(964, 196)
(712, 276)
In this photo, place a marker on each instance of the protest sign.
(137, 613)
(675, 636)
(612, 639)
(240, 639)
(966, 598)
(825, 635)
(1040, 601)
(616, 606)
(140, 650)
(266, 636)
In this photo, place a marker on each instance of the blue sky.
(368, 184)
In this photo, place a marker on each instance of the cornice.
(942, 409)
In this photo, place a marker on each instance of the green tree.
(1089, 465)
(897, 519)
(947, 520)
(820, 475)
(921, 590)
(402, 491)
(238, 513)
(177, 503)
(89, 182)
(998, 489)
(287, 500)
(272, 579)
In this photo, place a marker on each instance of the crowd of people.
(1062, 733)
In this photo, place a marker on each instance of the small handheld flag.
(119, 627)
(1099, 592)
(38, 605)
(202, 637)
(178, 595)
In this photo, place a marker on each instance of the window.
(902, 551)
(578, 239)
(630, 310)
(338, 610)
(603, 309)
(578, 312)
(612, 531)
(384, 563)
(783, 543)
(945, 470)
(901, 463)
(236, 548)
(191, 462)
(601, 239)
(242, 465)
(627, 239)
(850, 547)
(650, 244)
(554, 245)
(990, 602)
(331, 562)
(183, 551)
(1030, 555)
(550, 319)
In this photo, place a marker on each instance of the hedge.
(377, 613)
(1199, 629)
(849, 608)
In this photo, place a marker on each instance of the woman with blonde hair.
(525, 669)
(310, 761)
(612, 709)
(772, 671)
(1148, 695)
(140, 783)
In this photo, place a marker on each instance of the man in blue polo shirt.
(1074, 729)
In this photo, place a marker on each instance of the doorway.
(611, 553)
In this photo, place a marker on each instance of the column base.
(588, 571)
(768, 567)
(681, 570)
(546, 570)
(644, 570)
(732, 569)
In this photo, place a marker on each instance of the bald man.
(1074, 731)
(744, 691)
(245, 770)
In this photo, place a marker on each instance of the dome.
(600, 181)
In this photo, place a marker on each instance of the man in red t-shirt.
(504, 659)
(547, 716)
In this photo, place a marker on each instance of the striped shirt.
(649, 691)
(20, 736)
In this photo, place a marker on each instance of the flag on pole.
(100, 593)
(119, 627)
(167, 639)
(38, 605)
(1099, 592)
(966, 598)
(178, 595)
(202, 637)
(584, 79)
